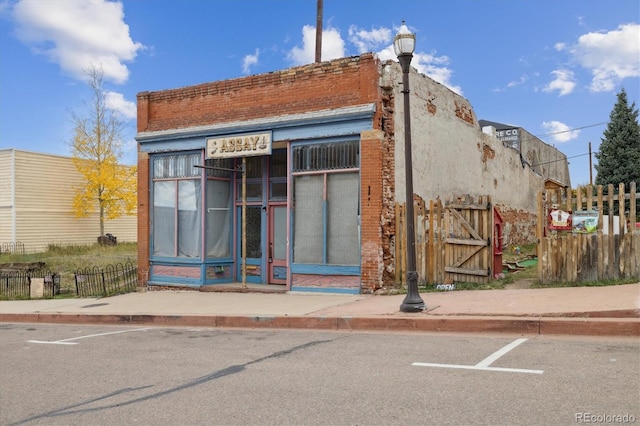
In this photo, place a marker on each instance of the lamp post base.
(412, 306)
(412, 301)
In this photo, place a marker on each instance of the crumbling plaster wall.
(452, 156)
(545, 159)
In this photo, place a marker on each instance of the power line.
(571, 130)
(562, 159)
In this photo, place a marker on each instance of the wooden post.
(244, 222)
(431, 256)
(540, 235)
(634, 266)
(610, 237)
(622, 224)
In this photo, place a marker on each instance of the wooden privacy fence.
(585, 235)
(453, 241)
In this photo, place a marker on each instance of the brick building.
(322, 152)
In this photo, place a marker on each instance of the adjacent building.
(36, 205)
(296, 175)
(543, 158)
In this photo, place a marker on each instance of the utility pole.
(590, 167)
(319, 32)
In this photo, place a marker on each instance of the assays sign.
(239, 145)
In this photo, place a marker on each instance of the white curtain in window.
(307, 246)
(342, 219)
(189, 214)
(218, 218)
(164, 211)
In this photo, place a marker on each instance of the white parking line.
(497, 354)
(70, 342)
(485, 363)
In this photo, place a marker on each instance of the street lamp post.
(404, 45)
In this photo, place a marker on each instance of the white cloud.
(249, 61)
(369, 41)
(5, 6)
(559, 46)
(523, 79)
(430, 65)
(333, 46)
(513, 83)
(564, 82)
(610, 56)
(116, 101)
(559, 131)
(78, 34)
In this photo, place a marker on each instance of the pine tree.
(619, 153)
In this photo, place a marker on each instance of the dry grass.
(66, 260)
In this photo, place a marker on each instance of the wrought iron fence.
(17, 285)
(108, 281)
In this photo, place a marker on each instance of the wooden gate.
(453, 241)
(468, 229)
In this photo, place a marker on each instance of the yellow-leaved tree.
(96, 150)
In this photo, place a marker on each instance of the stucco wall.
(544, 158)
(451, 154)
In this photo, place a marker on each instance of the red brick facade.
(143, 217)
(341, 83)
(372, 209)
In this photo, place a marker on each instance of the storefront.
(286, 189)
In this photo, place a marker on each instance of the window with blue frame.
(218, 215)
(177, 201)
(326, 203)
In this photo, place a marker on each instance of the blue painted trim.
(224, 261)
(303, 126)
(326, 290)
(222, 281)
(176, 281)
(324, 139)
(308, 119)
(352, 128)
(325, 255)
(325, 269)
(175, 261)
(218, 282)
(218, 260)
(254, 279)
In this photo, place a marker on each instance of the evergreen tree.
(619, 153)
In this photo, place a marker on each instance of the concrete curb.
(468, 324)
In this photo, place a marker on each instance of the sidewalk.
(613, 310)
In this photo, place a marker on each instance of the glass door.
(277, 245)
(254, 227)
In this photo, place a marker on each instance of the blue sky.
(553, 67)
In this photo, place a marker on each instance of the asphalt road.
(107, 375)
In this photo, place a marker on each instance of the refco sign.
(509, 137)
